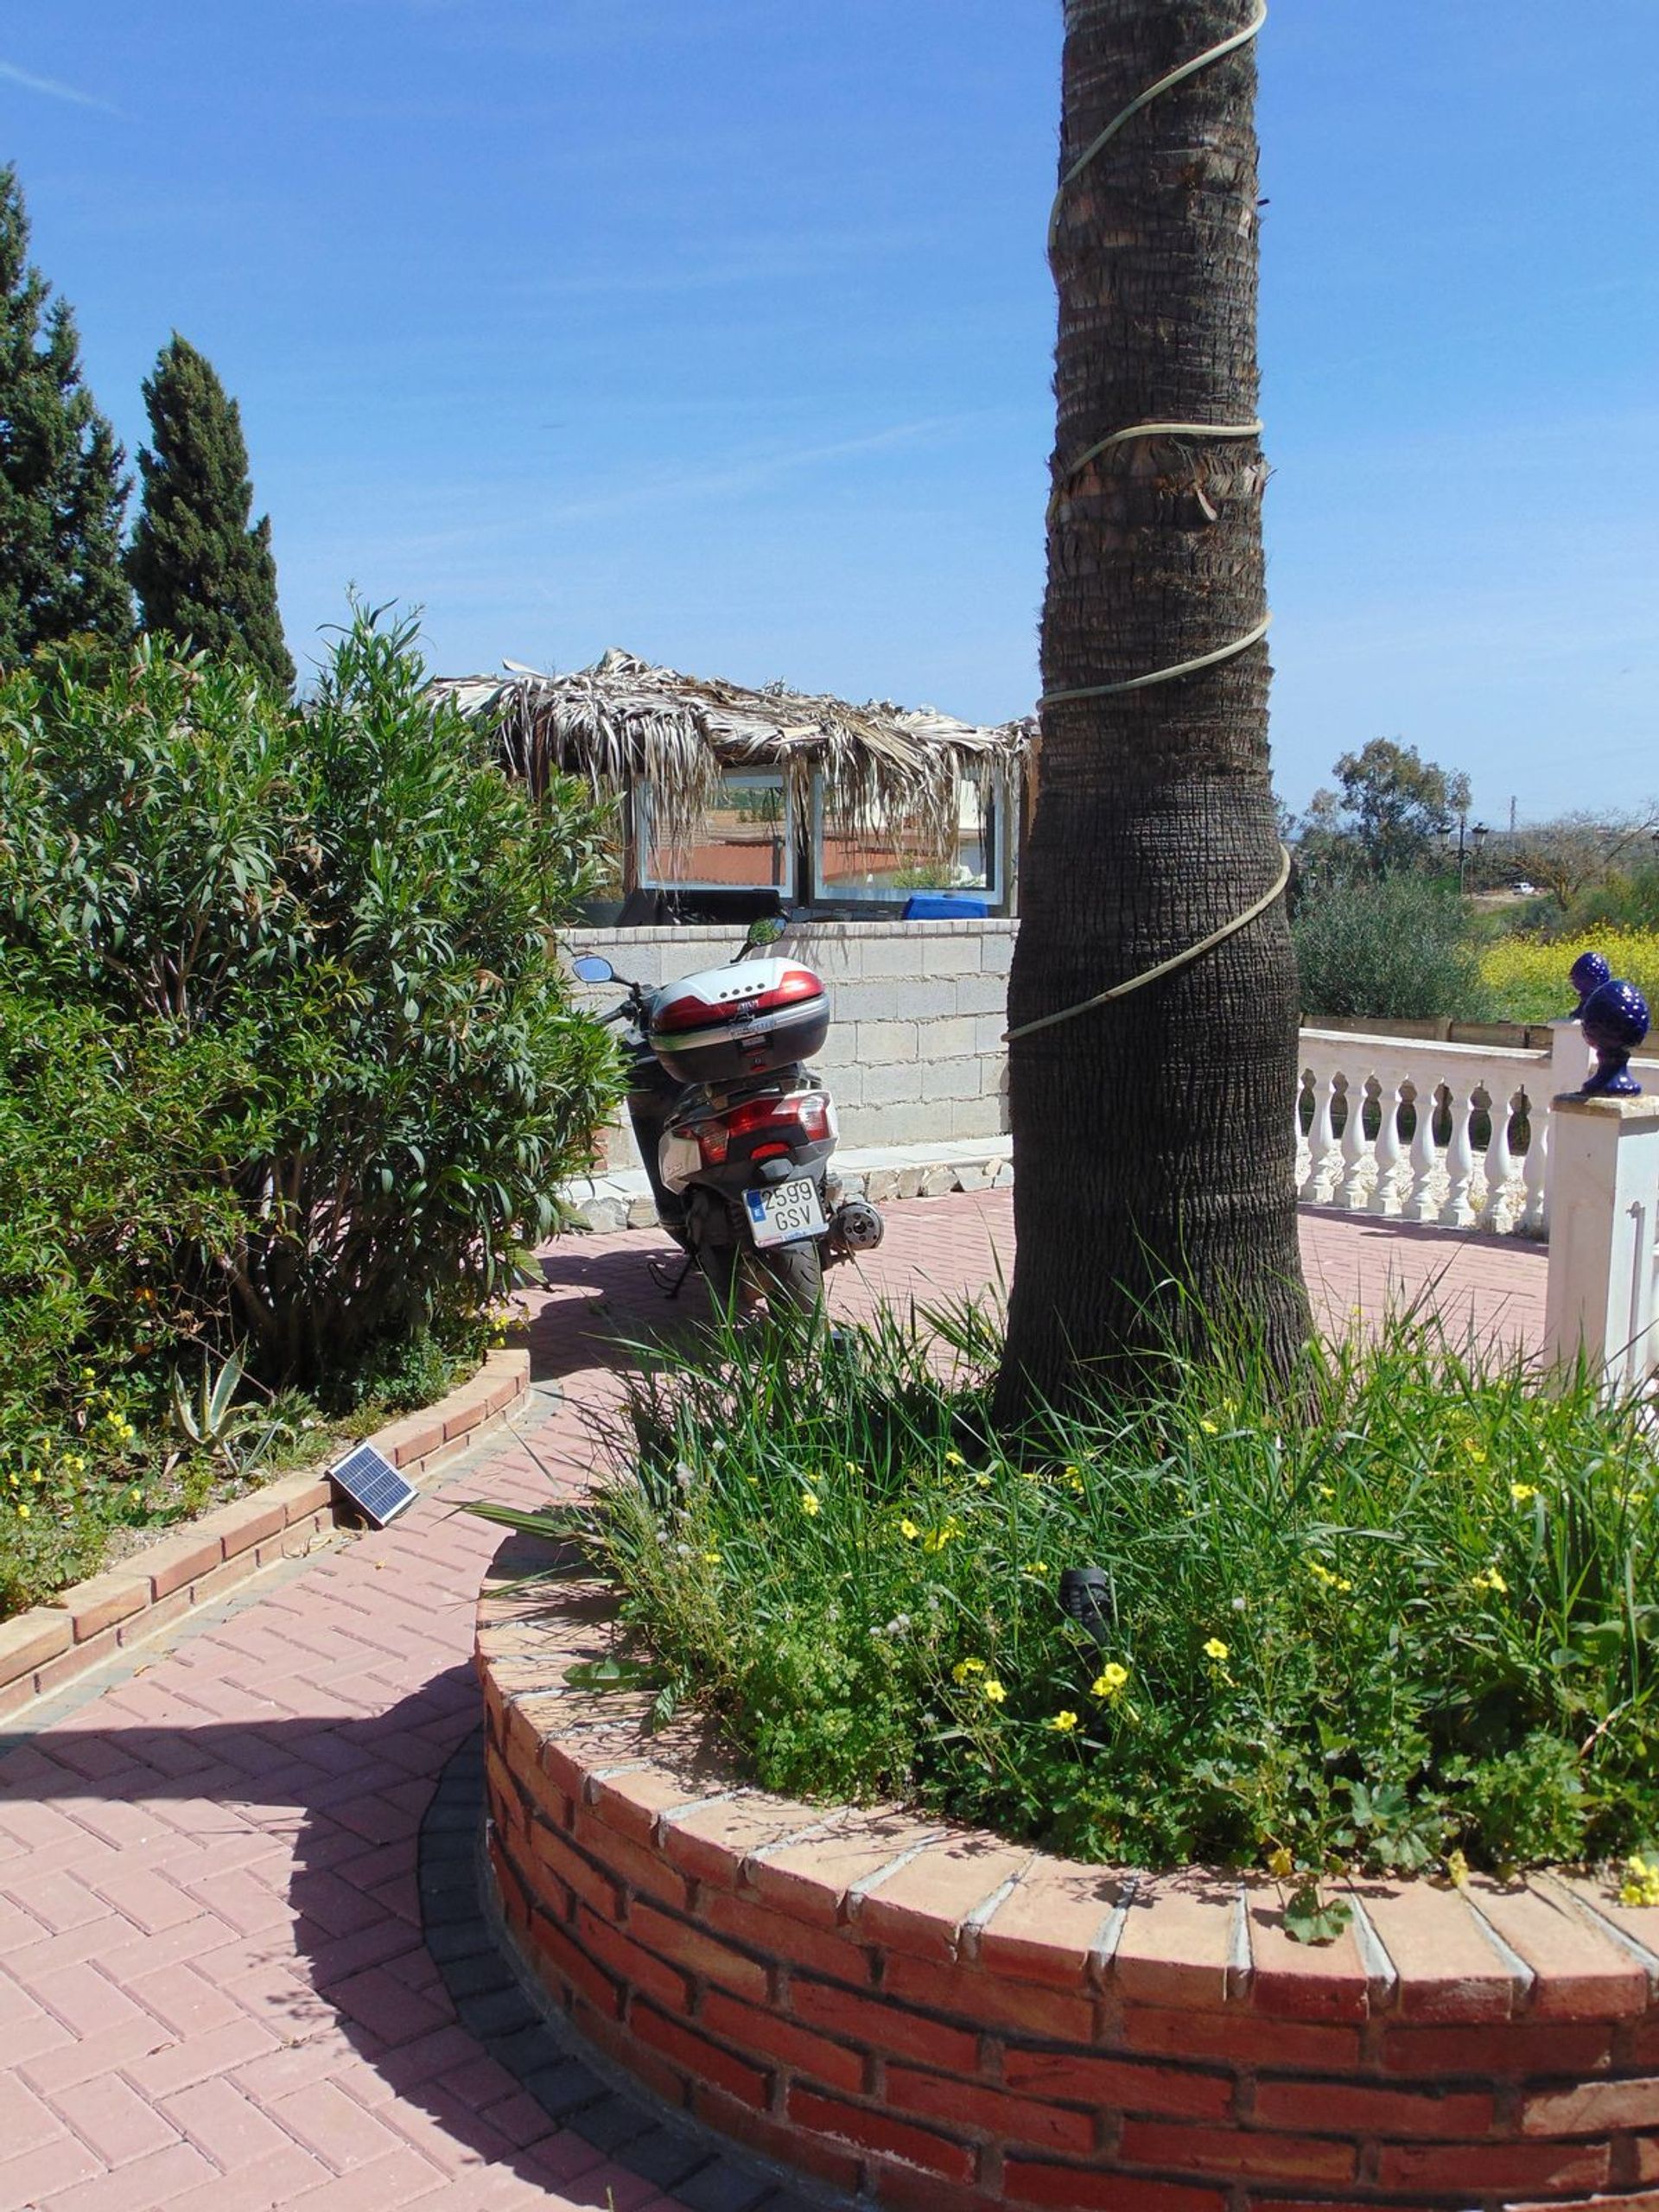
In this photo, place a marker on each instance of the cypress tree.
(200, 570)
(62, 492)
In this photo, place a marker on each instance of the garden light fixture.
(1085, 1596)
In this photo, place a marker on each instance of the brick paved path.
(213, 1992)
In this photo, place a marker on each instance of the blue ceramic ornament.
(1614, 1018)
(1588, 974)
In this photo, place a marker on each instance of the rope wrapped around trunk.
(1203, 660)
(1165, 967)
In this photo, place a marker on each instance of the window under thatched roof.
(624, 719)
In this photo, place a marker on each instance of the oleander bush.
(289, 1072)
(1411, 1619)
(1399, 948)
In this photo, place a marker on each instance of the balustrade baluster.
(1420, 1204)
(1322, 1142)
(1385, 1192)
(1456, 1210)
(1353, 1184)
(1535, 1170)
(1303, 1158)
(1499, 1209)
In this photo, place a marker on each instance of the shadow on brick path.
(282, 1989)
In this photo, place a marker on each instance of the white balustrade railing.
(1413, 1130)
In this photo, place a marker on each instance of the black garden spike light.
(1085, 1597)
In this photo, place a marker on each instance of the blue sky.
(720, 329)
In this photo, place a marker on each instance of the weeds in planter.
(1416, 1621)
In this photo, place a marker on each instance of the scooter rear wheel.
(790, 1276)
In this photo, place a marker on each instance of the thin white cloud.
(52, 90)
(754, 473)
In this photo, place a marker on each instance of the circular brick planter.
(937, 2018)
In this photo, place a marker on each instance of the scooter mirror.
(591, 967)
(765, 929)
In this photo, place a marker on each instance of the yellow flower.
(87, 1375)
(22, 1513)
(1456, 1868)
(984, 1481)
(1038, 1567)
(1063, 1723)
(810, 1504)
(994, 1690)
(853, 1467)
(1641, 1882)
(1474, 1451)
(1280, 1865)
(1109, 1682)
(937, 1539)
(1491, 1580)
(954, 1460)
(135, 1497)
(908, 1529)
(964, 1667)
(1209, 1428)
(1325, 1578)
(1521, 1492)
(711, 1559)
(1216, 1649)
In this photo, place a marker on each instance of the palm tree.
(1152, 1136)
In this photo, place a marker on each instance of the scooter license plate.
(786, 1213)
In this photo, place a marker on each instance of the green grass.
(1412, 1616)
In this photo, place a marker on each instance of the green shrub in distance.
(1412, 1616)
(351, 902)
(1399, 949)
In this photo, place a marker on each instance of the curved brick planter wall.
(941, 2020)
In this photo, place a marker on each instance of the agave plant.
(211, 1419)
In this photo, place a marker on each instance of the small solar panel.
(374, 1485)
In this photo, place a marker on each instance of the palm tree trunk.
(1153, 1137)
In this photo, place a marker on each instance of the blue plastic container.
(946, 906)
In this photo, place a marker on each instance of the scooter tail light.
(805, 1112)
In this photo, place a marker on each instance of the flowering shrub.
(352, 898)
(1411, 1625)
(288, 1066)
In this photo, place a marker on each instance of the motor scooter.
(735, 1131)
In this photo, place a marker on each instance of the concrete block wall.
(917, 1012)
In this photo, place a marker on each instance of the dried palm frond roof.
(624, 718)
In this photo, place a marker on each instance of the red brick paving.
(213, 1993)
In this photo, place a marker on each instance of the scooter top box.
(749, 1019)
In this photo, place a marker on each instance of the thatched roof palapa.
(624, 718)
